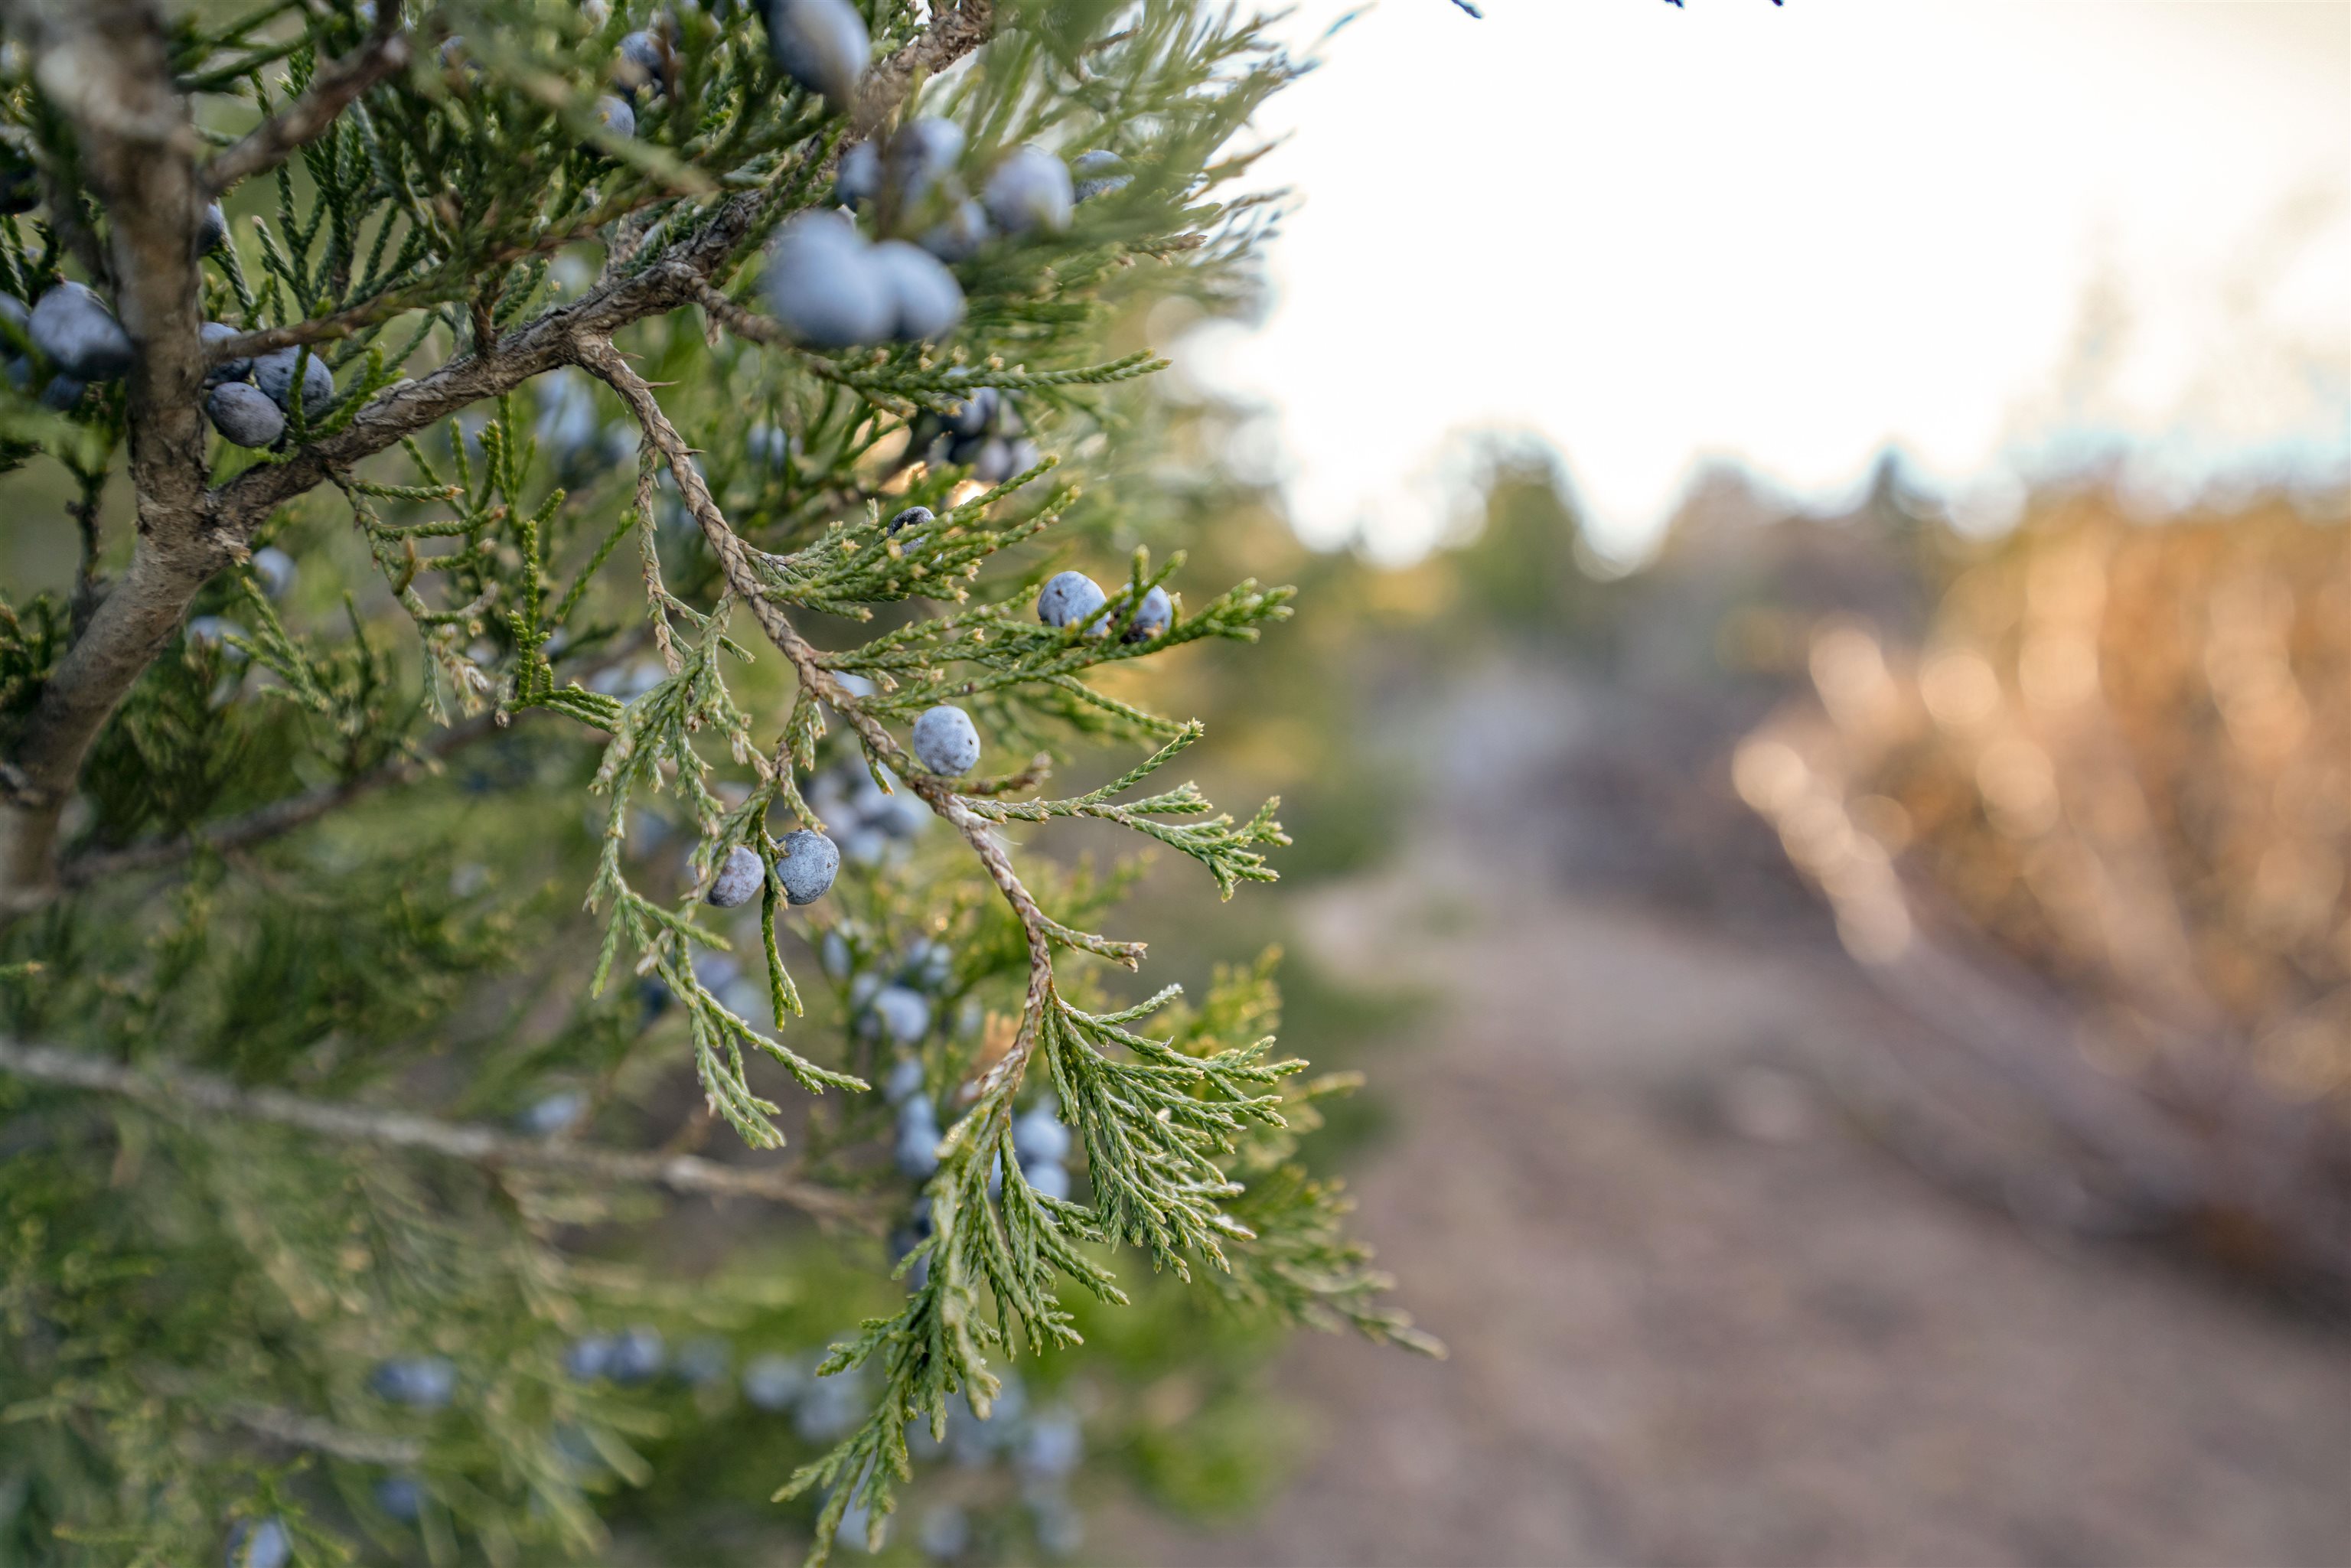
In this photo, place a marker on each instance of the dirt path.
(1696, 1318)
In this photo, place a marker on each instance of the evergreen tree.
(565, 714)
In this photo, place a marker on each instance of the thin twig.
(599, 358)
(265, 822)
(87, 585)
(386, 52)
(308, 1432)
(181, 1090)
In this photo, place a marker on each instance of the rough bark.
(104, 63)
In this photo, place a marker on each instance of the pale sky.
(1794, 237)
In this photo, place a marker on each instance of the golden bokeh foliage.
(2111, 788)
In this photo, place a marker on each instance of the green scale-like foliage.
(531, 658)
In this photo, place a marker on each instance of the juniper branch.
(278, 817)
(334, 89)
(598, 356)
(178, 1089)
(106, 63)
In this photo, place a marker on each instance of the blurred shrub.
(2098, 824)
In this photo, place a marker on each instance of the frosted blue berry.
(1070, 598)
(946, 1532)
(63, 393)
(653, 999)
(588, 1358)
(906, 1014)
(616, 115)
(421, 1382)
(401, 1498)
(946, 741)
(213, 332)
(568, 420)
(273, 374)
(645, 65)
(975, 414)
(924, 148)
(992, 463)
(243, 414)
(834, 955)
(737, 882)
(897, 813)
(921, 153)
(1060, 1529)
(925, 300)
(1038, 1136)
(820, 43)
(807, 866)
(1048, 1179)
(768, 444)
(929, 964)
(1053, 1445)
(918, 1138)
(1098, 174)
(821, 286)
(1152, 616)
(1030, 190)
(214, 631)
(263, 1545)
(555, 1113)
(75, 331)
(829, 1408)
(577, 1451)
(958, 236)
(906, 1081)
(773, 1382)
(716, 971)
(276, 569)
(912, 517)
(856, 1525)
(704, 1360)
(858, 178)
(637, 1356)
(901, 816)
(211, 229)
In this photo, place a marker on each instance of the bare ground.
(1698, 1316)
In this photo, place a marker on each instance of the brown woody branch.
(105, 66)
(179, 1090)
(278, 817)
(955, 30)
(334, 89)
